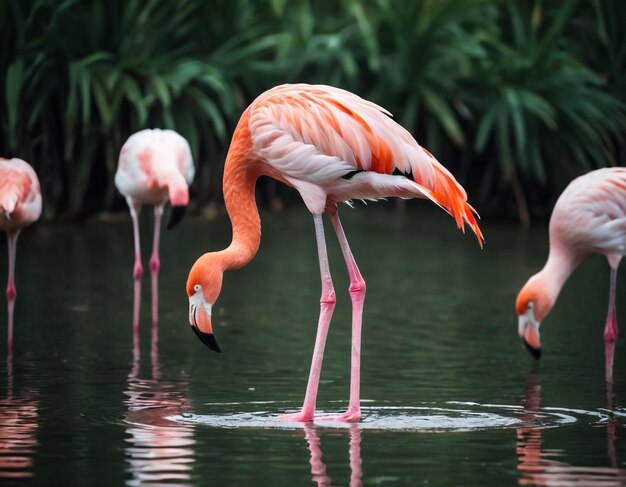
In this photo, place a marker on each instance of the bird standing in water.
(20, 205)
(155, 166)
(589, 217)
(331, 146)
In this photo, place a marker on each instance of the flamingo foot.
(350, 416)
(301, 416)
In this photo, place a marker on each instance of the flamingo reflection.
(18, 434)
(158, 450)
(318, 467)
(538, 466)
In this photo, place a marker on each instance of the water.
(450, 396)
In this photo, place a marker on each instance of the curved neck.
(240, 174)
(177, 189)
(560, 264)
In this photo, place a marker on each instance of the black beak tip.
(176, 215)
(535, 352)
(208, 339)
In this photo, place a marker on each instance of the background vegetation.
(516, 97)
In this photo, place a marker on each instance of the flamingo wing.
(314, 135)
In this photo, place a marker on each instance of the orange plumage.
(332, 146)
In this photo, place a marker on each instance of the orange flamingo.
(20, 205)
(589, 217)
(332, 146)
(154, 166)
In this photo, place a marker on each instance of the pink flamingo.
(20, 205)
(332, 146)
(154, 166)
(589, 217)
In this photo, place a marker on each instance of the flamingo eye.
(197, 287)
(531, 304)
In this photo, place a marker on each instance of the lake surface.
(450, 396)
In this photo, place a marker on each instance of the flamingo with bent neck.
(155, 166)
(589, 217)
(20, 205)
(332, 146)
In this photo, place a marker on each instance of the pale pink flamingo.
(154, 166)
(332, 146)
(20, 205)
(589, 217)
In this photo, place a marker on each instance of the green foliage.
(520, 95)
(542, 114)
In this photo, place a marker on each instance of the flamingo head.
(532, 306)
(203, 288)
(179, 197)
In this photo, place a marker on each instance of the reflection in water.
(18, 435)
(609, 353)
(538, 466)
(318, 468)
(159, 450)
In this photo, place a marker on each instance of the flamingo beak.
(200, 321)
(529, 332)
(176, 215)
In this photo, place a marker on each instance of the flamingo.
(331, 146)
(154, 166)
(20, 205)
(589, 217)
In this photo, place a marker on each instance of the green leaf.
(517, 117)
(445, 116)
(210, 111)
(161, 90)
(485, 127)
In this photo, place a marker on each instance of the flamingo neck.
(240, 174)
(177, 189)
(550, 280)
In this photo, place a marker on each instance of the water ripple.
(453, 416)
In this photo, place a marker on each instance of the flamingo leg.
(137, 269)
(11, 291)
(327, 306)
(610, 330)
(357, 295)
(155, 263)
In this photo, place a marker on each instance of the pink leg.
(610, 330)
(318, 468)
(138, 269)
(11, 291)
(327, 306)
(155, 264)
(357, 295)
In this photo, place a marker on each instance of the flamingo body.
(155, 166)
(332, 146)
(20, 205)
(589, 217)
